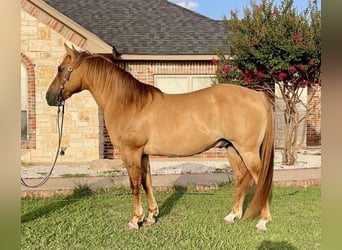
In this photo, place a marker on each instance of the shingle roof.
(146, 27)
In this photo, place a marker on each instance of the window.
(176, 84)
(24, 103)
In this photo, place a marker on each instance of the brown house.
(159, 42)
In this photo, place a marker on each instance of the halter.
(60, 102)
(60, 99)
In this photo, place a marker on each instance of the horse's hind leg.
(153, 210)
(253, 163)
(265, 217)
(242, 178)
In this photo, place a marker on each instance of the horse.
(142, 120)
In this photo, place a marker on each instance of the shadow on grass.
(78, 193)
(266, 245)
(171, 201)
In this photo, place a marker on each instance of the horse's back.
(227, 91)
(229, 97)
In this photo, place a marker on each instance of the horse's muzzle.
(54, 99)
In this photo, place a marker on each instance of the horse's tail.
(264, 185)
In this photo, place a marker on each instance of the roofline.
(93, 43)
(129, 57)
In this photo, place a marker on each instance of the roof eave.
(93, 43)
(131, 57)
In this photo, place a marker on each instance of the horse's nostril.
(52, 99)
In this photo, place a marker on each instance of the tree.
(276, 45)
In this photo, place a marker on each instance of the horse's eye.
(60, 69)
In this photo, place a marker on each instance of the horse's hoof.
(261, 226)
(229, 219)
(149, 222)
(131, 226)
(261, 229)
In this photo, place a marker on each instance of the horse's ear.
(70, 51)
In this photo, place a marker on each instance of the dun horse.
(142, 121)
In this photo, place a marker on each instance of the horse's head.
(67, 81)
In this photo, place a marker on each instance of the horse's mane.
(128, 90)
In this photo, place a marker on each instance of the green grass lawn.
(187, 220)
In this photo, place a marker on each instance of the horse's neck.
(105, 92)
(101, 92)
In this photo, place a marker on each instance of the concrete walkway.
(166, 174)
(201, 181)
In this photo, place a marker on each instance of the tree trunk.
(293, 138)
(291, 132)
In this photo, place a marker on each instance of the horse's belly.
(183, 127)
(180, 145)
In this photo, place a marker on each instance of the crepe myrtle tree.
(276, 45)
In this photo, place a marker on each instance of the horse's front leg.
(153, 210)
(132, 161)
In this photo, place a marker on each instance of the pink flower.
(227, 68)
(293, 69)
(303, 84)
(248, 80)
(314, 68)
(214, 60)
(247, 73)
(281, 76)
(297, 37)
(260, 74)
(276, 12)
(303, 67)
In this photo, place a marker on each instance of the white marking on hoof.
(149, 222)
(132, 226)
(230, 218)
(261, 226)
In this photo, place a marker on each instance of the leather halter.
(66, 78)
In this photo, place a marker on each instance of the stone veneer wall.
(43, 47)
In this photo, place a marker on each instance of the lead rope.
(60, 133)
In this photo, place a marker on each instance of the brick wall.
(42, 50)
(30, 143)
(314, 121)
